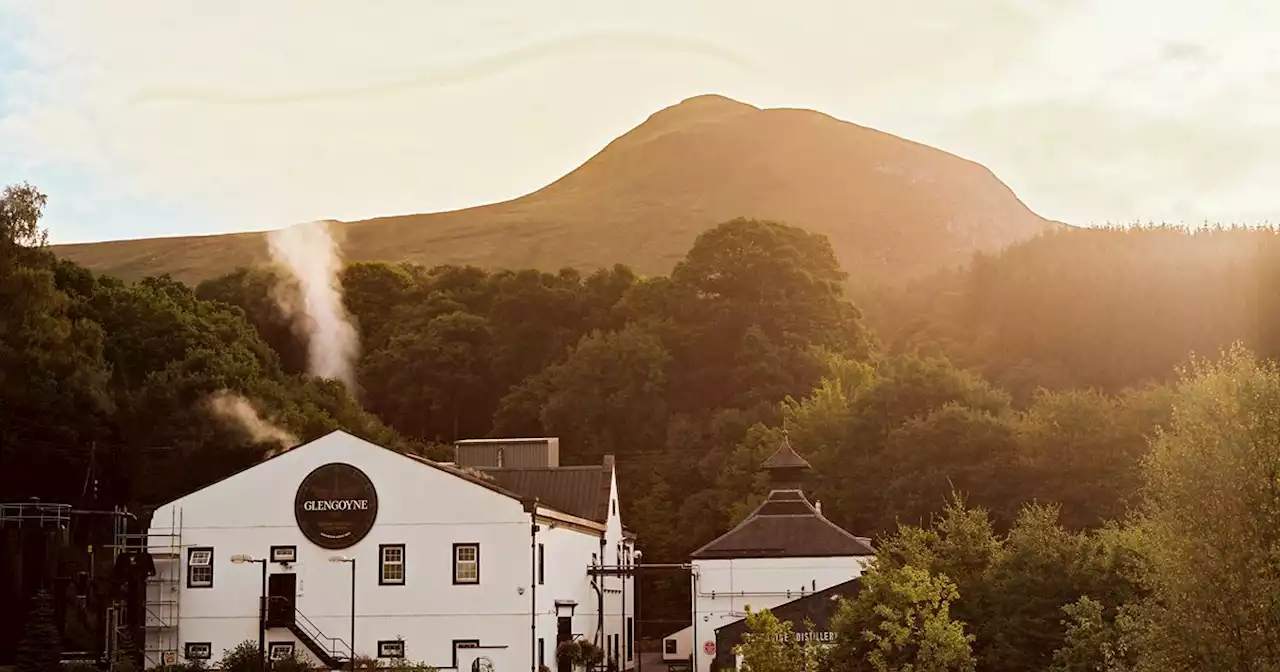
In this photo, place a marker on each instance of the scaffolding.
(163, 589)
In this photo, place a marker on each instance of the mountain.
(893, 209)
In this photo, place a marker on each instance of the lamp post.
(342, 558)
(262, 603)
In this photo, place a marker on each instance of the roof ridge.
(743, 523)
(568, 467)
(790, 519)
(785, 457)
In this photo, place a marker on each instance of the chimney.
(818, 505)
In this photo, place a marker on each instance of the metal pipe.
(636, 630)
(262, 617)
(600, 636)
(533, 583)
(353, 615)
(693, 578)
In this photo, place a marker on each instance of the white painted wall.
(426, 509)
(684, 645)
(619, 592)
(724, 588)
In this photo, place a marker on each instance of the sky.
(143, 119)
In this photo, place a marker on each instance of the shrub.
(244, 657)
(579, 653)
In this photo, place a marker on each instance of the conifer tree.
(40, 649)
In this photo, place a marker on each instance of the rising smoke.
(311, 297)
(241, 414)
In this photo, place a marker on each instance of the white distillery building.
(481, 562)
(784, 550)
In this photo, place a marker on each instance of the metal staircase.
(332, 652)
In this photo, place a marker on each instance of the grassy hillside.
(892, 208)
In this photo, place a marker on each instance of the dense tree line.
(1108, 308)
(1187, 580)
(101, 382)
(1013, 383)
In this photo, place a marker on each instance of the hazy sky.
(164, 118)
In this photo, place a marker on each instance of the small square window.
(669, 647)
(198, 651)
(466, 563)
(393, 648)
(284, 554)
(200, 568)
(463, 644)
(280, 650)
(391, 565)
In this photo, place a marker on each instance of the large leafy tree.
(900, 620)
(53, 393)
(753, 298)
(626, 409)
(1211, 521)
(770, 645)
(431, 382)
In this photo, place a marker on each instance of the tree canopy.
(1047, 489)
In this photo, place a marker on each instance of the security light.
(339, 558)
(241, 559)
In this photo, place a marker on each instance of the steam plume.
(241, 414)
(312, 298)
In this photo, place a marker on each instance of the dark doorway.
(564, 633)
(282, 593)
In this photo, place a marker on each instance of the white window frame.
(384, 564)
(199, 558)
(469, 578)
(285, 554)
(280, 650)
(391, 648)
(197, 650)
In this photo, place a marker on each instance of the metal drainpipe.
(533, 586)
(694, 637)
(622, 601)
(636, 628)
(600, 612)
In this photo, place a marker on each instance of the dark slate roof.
(785, 525)
(468, 474)
(785, 458)
(818, 608)
(577, 491)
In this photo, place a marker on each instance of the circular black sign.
(335, 506)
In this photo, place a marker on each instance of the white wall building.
(446, 563)
(785, 549)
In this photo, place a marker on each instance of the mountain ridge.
(893, 208)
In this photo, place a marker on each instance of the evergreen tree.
(40, 649)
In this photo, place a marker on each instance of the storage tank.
(34, 541)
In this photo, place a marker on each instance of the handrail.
(316, 634)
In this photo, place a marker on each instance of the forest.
(1068, 453)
